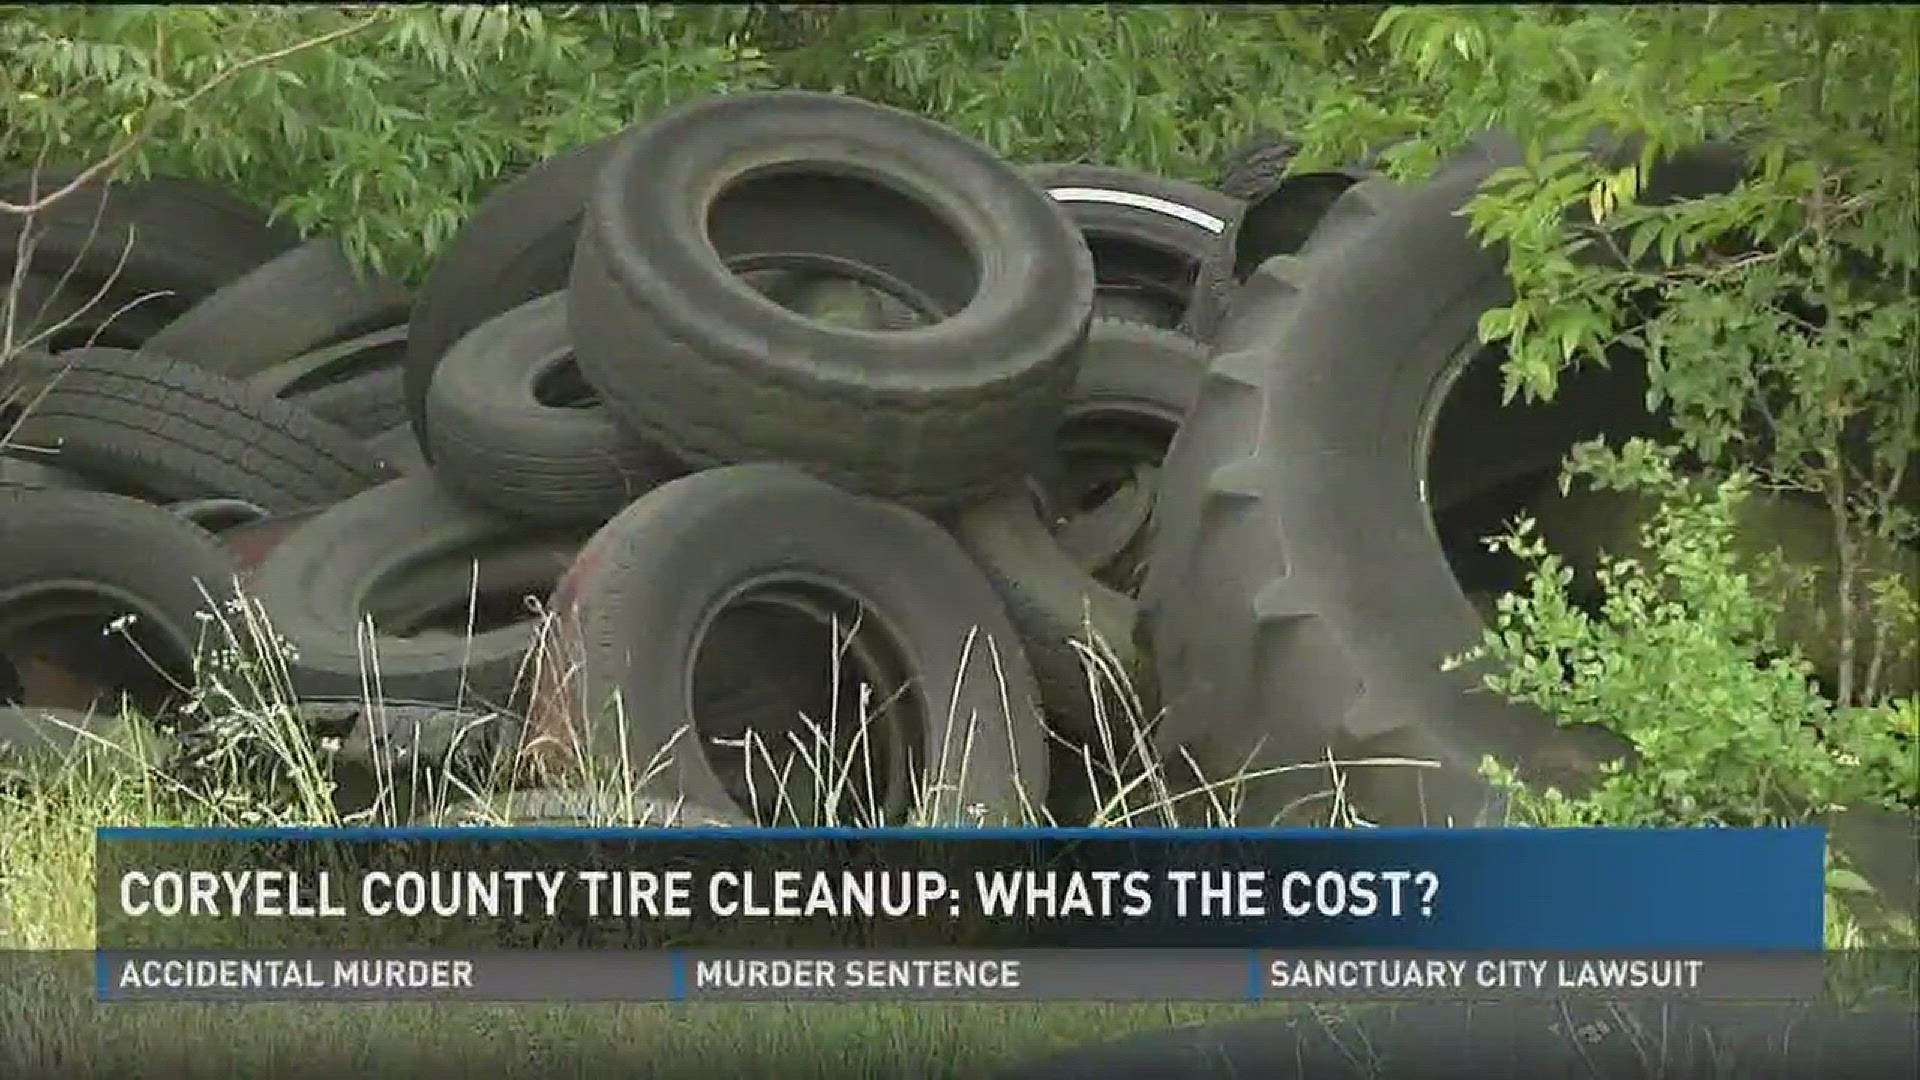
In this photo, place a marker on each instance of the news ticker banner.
(1693, 910)
(929, 975)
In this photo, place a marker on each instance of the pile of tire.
(783, 438)
(798, 460)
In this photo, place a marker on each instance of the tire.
(355, 384)
(398, 450)
(367, 406)
(1068, 578)
(168, 431)
(250, 544)
(938, 415)
(1513, 1040)
(182, 240)
(1057, 607)
(402, 758)
(306, 299)
(65, 574)
(1136, 385)
(1148, 235)
(359, 560)
(501, 442)
(771, 540)
(21, 471)
(1278, 220)
(517, 247)
(1297, 584)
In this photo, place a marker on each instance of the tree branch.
(161, 111)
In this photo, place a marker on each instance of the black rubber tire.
(517, 246)
(19, 469)
(1279, 220)
(56, 545)
(182, 240)
(354, 384)
(401, 758)
(937, 415)
(398, 450)
(1299, 603)
(1148, 234)
(633, 614)
(498, 445)
(1058, 608)
(367, 406)
(1515, 1041)
(307, 299)
(169, 431)
(1136, 385)
(1056, 595)
(346, 564)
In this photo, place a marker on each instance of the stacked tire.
(790, 458)
(807, 454)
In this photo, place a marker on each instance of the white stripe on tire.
(1142, 202)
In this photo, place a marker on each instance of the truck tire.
(696, 360)
(960, 734)
(1299, 604)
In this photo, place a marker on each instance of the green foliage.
(1681, 661)
(387, 138)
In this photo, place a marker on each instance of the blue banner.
(1509, 890)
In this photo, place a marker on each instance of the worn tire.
(692, 358)
(399, 451)
(169, 431)
(1279, 220)
(367, 405)
(1148, 234)
(182, 240)
(1136, 385)
(72, 561)
(501, 442)
(1057, 607)
(517, 246)
(356, 384)
(693, 547)
(19, 470)
(307, 299)
(1299, 603)
(353, 561)
(1066, 578)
